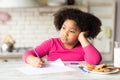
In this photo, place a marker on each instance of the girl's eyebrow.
(75, 29)
(64, 25)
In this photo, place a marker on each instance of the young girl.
(75, 28)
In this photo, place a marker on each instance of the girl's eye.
(72, 31)
(63, 28)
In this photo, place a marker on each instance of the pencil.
(36, 53)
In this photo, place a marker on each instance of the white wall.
(29, 26)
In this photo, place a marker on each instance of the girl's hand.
(82, 35)
(83, 38)
(34, 61)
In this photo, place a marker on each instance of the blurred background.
(26, 23)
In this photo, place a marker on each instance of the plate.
(111, 72)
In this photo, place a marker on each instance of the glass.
(117, 54)
(117, 44)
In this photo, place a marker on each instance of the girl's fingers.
(38, 63)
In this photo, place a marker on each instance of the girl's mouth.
(64, 39)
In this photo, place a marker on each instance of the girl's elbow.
(94, 61)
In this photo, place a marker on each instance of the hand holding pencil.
(35, 61)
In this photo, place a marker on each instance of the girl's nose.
(66, 33)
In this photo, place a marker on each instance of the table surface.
(8, 72)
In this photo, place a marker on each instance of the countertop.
(8, 72)
(11, 55)
(16, 53)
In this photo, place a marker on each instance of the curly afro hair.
(85, 21)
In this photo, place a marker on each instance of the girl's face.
(69, 33)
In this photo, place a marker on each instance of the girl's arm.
(92, 55)
(33, 56)
(32, 59)
(83, 40)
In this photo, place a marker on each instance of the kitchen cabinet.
(104, 42)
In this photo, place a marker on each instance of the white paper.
(58, 62)
(54, 67)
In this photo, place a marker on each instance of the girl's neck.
(68, 46)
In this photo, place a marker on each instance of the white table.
(8, 72)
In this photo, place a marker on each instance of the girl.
(75, 27)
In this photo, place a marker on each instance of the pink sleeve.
(26, 54)
(42, 50)
(92, 55)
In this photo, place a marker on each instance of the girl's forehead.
(72, 28)
(70, 24)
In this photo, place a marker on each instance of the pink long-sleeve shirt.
(54, 49)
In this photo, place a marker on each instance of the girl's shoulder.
(53, 40)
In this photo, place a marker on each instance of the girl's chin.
(63, 40)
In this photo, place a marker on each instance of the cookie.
(90, 67)
(99, 68)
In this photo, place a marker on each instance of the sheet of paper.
(53, 67)
(58, 62)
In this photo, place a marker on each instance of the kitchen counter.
(11, 55)
(8, 72)
(16, 53)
